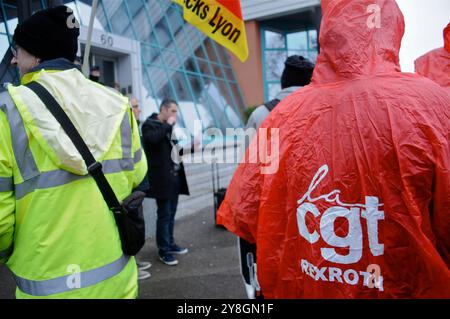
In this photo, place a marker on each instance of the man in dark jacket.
(167, 178)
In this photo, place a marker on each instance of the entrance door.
(108, 69)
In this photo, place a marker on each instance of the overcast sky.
(425, 21)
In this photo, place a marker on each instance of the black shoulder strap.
(94, 167)
(271, 104)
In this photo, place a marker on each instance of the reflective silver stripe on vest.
(20, 144)
(46, 180)
(6, 184)
(5, 253)
(118, 165)
(33, 179)
(125, 129)
(65, 283)
(61, 177)
(138, 156)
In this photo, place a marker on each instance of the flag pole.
(87, 49)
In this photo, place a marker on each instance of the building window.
(277, 46)
(178, 61)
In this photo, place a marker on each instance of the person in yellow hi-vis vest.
(57, 235)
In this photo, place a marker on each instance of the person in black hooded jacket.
(167, 177)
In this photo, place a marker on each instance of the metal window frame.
(264, 49)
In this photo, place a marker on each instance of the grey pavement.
(209, 270)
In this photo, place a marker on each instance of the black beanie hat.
(49, 34)
(297, 72)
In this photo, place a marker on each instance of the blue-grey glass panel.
(82, 12)
(312, 56)
(223, 88)
(212, 95)
(4, 44)
(119, 19)
(273, 88)
(211, 54)
(237, 96)
(128, 32)
(229, 74)
(274, 64)
(149, 52)
(154, 9)
(223, 55)
(12, 21)
(134, 6)
(142, 25)
(190, 66)
(176, 20)
(303, 53)
(274, 40)
(297, 41)
(160, 82)
(148, 104)
(171, 59)
(312, 35)
(200, 54)
(204, 67)
(202, 101)
(163, 34)
(179, 82)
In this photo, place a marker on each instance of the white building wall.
(265, 9)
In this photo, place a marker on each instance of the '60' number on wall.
(107, 40)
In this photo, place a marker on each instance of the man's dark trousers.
(166, 211)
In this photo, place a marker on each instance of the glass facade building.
(177, 60)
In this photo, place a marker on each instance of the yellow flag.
(221, 20)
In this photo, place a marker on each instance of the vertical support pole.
(89, 39)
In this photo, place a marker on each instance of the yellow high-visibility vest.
(57, 235)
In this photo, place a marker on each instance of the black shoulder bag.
(271, 104)
(129, 215)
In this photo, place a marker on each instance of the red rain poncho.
(363, 178)
(435, 65)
